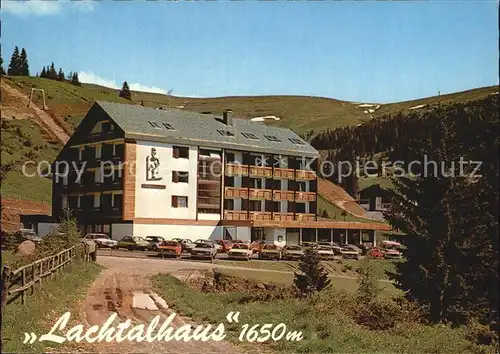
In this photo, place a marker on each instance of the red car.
(225, 244)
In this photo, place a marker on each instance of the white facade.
(157, 203)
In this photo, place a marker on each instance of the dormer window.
(167, 126)
(225, 133)
(272, 138)
(296, 141)
(250, 136)
(154, 125)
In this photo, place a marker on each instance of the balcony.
(305, 175)
(283, 195)
(232, 192)
(305, 196)
(284, 173)
(236, 170)
(305, 217)
(266, 194)
(258, 171)
(283, 216)
(260, 215)
(235, 215)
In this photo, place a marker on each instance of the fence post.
(23, 283)
(40, 275)
(6, 275)
(33, 277)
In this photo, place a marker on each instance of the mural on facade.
(153, 167)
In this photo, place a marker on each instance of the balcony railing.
(235, 215)
(258, 171)
(260, 215)
(236, 170)
(286, 173)
(266, 194)
(232, 192)
(305, 217)
(283, 195)
(305, 196)
(305, 175)
(265, 215)
(283, 216)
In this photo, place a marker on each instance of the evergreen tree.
(60, 75)
(24, 69)
(312, 276)
(52, 73)
(450, 221)
(75, 80)
(43, 73)
(2, 71)
(125, 91)
(14, 66)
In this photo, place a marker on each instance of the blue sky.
(359, 51)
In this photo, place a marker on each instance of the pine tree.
(60, 75)
(2, 71)
(24, 69)
(75, 80)
(312, 276)
(14, 67)
(125, 91)
(43, 73)
(52, 73)
(449, 221)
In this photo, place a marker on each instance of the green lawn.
(325, 329)
(44, 307)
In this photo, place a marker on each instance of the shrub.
(28, 143)
(368, 288)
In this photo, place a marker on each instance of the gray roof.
(193, 128)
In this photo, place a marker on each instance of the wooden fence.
(30, 277)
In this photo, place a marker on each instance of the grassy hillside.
(300, 113)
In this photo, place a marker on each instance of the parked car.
(204, 250)
(309, 244)
(27, 235)
(154, 242)
(326, 252)
(292, 252)
(101, 240)
(352, 247)
(240, 251)
(337, 250)
(349, 253)
(375, 252)
(170, 249)
(133, 243)
(187, 244)
(391, 253)
(225, 244)
(256, 246)
(270, 251)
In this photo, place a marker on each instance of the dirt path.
(45, 119)
(117, 290)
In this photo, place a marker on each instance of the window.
(250, 136)
(154, 125)
(272, 138)
(168, 126)
(229, 204)
(225, 133)
(106, 127)
(180, 177)
(117, 201)
(179, 202)
(229, 181)
(296, 141)
(181, 152)
(229, 157)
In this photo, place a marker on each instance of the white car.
(240, 251)
(102, 240)
(326, 252)
(204, 250)
(216, 245)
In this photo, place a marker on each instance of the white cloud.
(25, 8)
(91, 78)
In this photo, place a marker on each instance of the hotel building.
(142, 171)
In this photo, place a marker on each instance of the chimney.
(227, 117)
